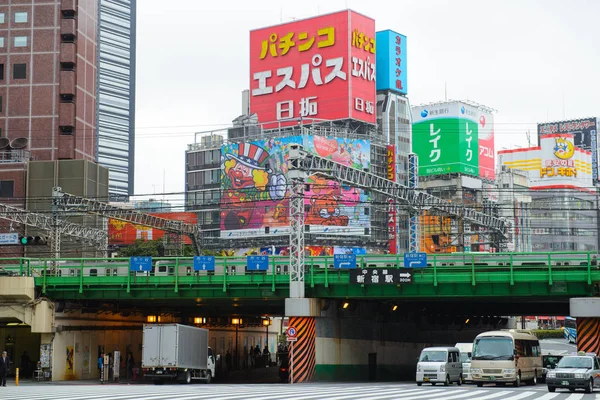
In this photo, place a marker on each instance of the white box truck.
(174, 351)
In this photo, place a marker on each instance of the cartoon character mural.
(255, 197)
(248, 180)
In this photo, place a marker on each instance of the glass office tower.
(116, 93)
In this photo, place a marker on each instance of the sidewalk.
(252, 375)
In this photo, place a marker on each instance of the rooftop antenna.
(445, 91)
(528, 138)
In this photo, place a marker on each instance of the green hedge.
(548, 333)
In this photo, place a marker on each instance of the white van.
(466, 349)
(439, 365)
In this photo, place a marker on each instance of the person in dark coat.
(4, 367)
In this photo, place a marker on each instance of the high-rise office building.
(116, 93)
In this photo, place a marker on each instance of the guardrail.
(171, 273)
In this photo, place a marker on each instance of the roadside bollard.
(17, 377)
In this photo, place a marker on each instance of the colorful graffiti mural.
(255, 197)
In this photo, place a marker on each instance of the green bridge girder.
(465, 275)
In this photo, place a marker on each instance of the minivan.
(439, 365)
(465, 358)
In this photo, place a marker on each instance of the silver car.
(575, 372)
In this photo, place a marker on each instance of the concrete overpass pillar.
(587, 312)
(302, 313)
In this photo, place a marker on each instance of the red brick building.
(47, 87)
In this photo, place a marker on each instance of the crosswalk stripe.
(575, 396)
(428, 395)
(520, 395)
(495, 395)
(548, 396)
(465, 394)
(406, 392)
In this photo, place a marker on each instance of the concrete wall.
(85, 348)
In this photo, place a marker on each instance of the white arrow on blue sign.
(204, 263)
(257, 263)
(345, 261)
(140, 264)
(415, 260)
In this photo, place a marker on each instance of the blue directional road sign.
(415, 260)
(140, 264)
(204, 263)
(344, 261)
(257, 263)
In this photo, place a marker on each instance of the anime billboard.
(255, 200)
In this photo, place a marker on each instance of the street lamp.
(237, 322)
(266, 322)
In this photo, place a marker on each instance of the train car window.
(162, 268)
(567, 263)
(481, 264)
(188, 271)
(171, 270)
(93, 272)
(107, 272)
(115, 272)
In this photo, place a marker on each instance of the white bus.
(507, 356)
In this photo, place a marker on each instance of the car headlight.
(508, 371)
(551, 374)
(475, 370)
(443, 368)
(418, 368)
(579, 376)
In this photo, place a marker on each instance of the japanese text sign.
(391, 62)
(381, 276)
(584, 136)
(318, 68)
(446, 140)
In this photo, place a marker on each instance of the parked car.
(549, 362)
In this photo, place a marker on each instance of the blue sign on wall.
(415, 260)
(344, 261)
(391, 62)
(140, 264)
(204, 263)
(257, 263)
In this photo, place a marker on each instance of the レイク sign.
(318, 68)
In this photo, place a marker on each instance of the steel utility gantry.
(66, 201)
(303, 163)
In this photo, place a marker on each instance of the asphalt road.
(359, 391)
(557, 346)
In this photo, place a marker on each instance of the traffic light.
(32, 241)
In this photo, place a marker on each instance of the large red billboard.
(319, 68)
(125, 233)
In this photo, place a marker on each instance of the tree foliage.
(143, 248)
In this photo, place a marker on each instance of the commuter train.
(280, 265)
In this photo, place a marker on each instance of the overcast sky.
(532, 60)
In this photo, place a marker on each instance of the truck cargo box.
(174, 346)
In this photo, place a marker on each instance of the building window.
(20, 41)
(1, 41)
(1, 72)
(1, 102)
(1, 18)
(7, 189)
(20, 71)
(21, 17)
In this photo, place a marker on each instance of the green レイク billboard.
(444, 142)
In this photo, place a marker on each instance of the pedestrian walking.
(4, 367)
